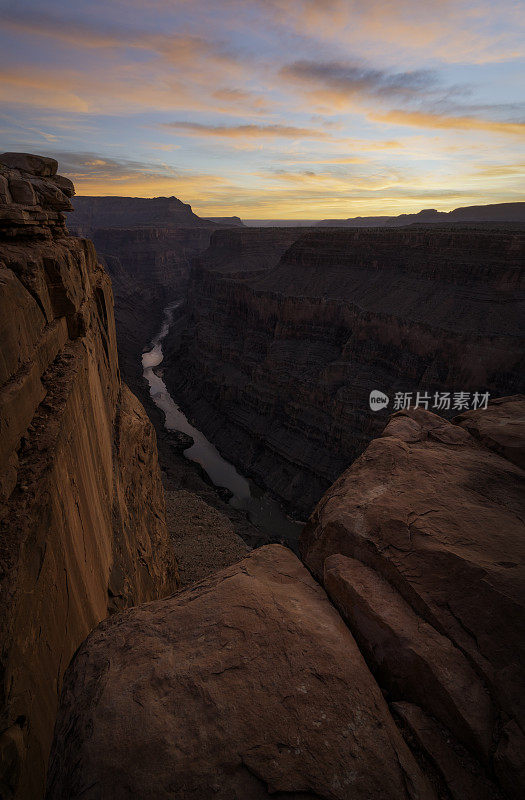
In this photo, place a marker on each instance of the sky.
(283, 109)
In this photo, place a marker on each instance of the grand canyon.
(223, 573)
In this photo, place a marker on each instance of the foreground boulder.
(244, 686)
(421, 545)
(82, 517)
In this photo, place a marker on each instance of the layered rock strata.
(287, 336)
(82, 515)
(421, 547)
(247, 685)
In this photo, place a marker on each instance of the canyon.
(288, 331)
(155, 642)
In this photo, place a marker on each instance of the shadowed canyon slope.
(288, 332)
(82, 524)
(146, 246)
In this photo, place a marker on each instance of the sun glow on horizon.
(284, 109)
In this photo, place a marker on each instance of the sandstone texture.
(82, 514)
(288, 331)
(421, 546)
(247, 685)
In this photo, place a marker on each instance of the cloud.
(95, 174)
(118, 68)
(173, 47)
(366, 90)
(246, 131)
(475, 31)
(306, 194)
(420, 119)
(346, 80)
(245, 100)
(499, 171)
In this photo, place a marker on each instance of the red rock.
(245, 686)
(289, 330)
(500, 428)
(409, 657)
(82, 513)
(440, 518)
(26, 162)
(22, 192)
(462, 777)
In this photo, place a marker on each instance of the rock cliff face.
(149, 268)
(82, 526)
(147, 253)
(287, 336)
(421, 546)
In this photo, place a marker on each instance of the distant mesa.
(126, 212)
(236, 221)
(495, 212)
(131, 212)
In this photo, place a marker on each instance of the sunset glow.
(272, 108)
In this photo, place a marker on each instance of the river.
(262, 509)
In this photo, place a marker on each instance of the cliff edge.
(82, 516)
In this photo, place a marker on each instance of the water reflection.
(263, 511)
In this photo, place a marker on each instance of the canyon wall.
(146, 246)
(82, 515)
(286, 336)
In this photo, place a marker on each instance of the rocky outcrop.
(420, 545)
(248, 685)
(289, 331)
(494, 212)
(82, 525)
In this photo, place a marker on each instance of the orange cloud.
(246, 131)
(419, 119)
(451, 30)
